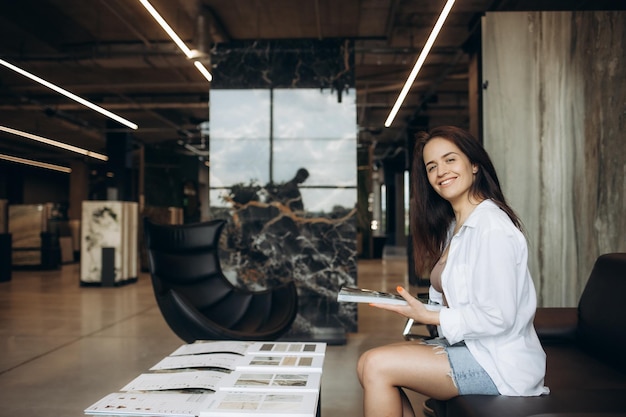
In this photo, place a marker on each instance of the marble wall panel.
(268, 243)
(108, 224)
(265, 244)
(284, 63)
(26, 222)
(130, 235)
(553, 106)
(101, 227)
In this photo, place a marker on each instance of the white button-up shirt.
(491, 301)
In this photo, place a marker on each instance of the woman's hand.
(414, 310)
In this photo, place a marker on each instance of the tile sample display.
(109, 245)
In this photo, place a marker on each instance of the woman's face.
(449, 170)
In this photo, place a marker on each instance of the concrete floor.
(63, 347)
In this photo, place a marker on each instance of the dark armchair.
(197, 301)
(585, 346)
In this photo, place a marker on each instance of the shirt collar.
(473, 217)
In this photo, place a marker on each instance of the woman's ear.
(474, 169)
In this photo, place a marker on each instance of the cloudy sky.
(311, 130)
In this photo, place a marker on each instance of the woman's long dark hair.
(432, 214)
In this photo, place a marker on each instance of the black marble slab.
(265, 244)
(324, 64)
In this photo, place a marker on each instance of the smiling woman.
(470, 240)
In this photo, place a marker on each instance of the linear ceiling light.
(70, 95)
(35, 163)
(54, 143)
(419, 62)
(191, 54)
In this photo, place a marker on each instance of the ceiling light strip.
(35, 163)
(177, 40)
(419, 62)
(70, 95)
(203, 70)
(52, 142)
(167, 28)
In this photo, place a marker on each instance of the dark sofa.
(586, 356)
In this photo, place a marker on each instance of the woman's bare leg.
(413, 365)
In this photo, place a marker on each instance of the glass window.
(239, 135)
(310, 129)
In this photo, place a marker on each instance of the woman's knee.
(371, 363)
(361, 365)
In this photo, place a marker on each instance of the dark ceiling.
(113, 53)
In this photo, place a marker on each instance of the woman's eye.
(430, 168)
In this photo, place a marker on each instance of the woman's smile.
(446, 182)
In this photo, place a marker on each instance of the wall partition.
(282, 171)
(554, 125)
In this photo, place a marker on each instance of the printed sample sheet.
(152, 404)
(281, 363)
(204, 346)
(210, 380)
(247, 348)
(271, 382)
(287, 348)
(227, 361)
(249, 404)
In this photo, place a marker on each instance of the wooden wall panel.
(553, 114)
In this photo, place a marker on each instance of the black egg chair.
(197, 301)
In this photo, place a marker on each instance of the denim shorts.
(469, 377)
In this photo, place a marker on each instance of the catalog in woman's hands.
(363, 295)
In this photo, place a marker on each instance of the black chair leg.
(434, 408)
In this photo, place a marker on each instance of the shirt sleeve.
(490, 277)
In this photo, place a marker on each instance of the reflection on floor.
(62, 346)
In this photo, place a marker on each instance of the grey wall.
(554, 123)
